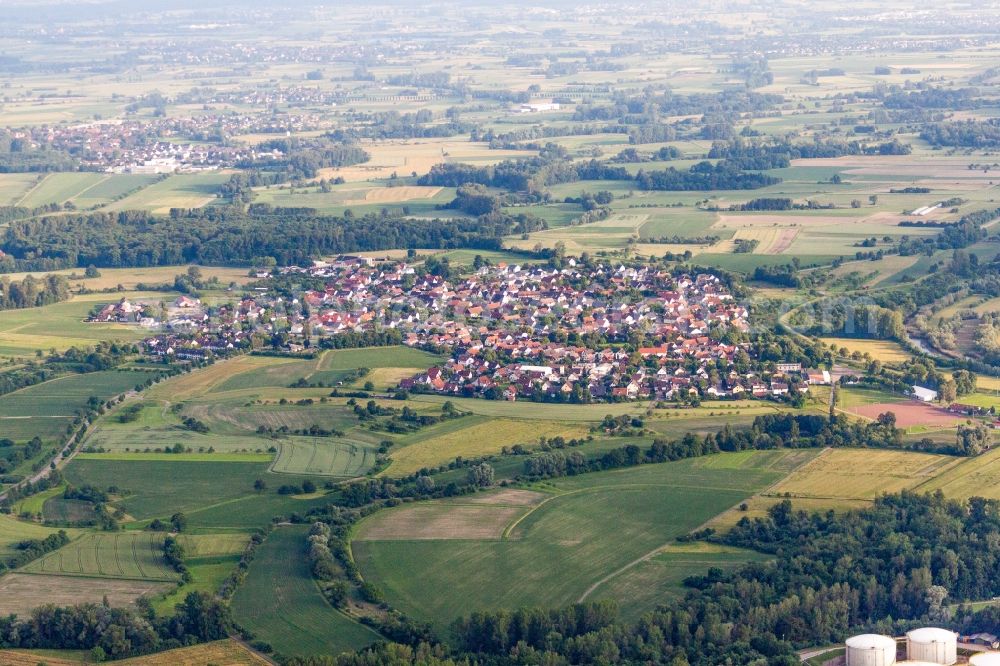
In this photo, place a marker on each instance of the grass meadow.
(282, 605)
(570, 546)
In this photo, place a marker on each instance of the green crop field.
(161, 488)
(567, 547)
(59, 187)
(13, 531)
(176, 191)
(125, 555)
(324, 456)
(660, 578)
(281, 604)
(62, 325)
(61, 397)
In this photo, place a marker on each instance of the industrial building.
(927, 646)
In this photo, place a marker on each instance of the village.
(581, 333)
(164, 145)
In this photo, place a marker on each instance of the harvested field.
(407, 156)
(20, 592)
(395, 194)
(909, 413)
(885, 351)
(508, 497)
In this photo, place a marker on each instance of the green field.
(161, 488)
(324, 456)
(125, 555)
(281, 604)
(62, 325)
(571, 546)
(13, 531)
(63, 396)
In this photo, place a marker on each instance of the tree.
(259, 485)
(481, 475)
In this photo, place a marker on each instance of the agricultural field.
(120, 555)
(63, 396)
(885, 351)
(282, 605)
(13, 531)
(175, 191)
(573, 544)
(20, 592)
(476, 437)
(160, 488)
(61, 325)
(324, 456)
(861, 474)
(131, 278)
(222, 653)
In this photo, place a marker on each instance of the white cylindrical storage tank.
(985, 659)
(870, 650)
(938, 646)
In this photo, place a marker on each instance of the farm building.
(924, 394)
(983, 638)
(538, 107)
(968, 410)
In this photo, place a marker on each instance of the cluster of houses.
(543, 333)
(164, 145)
(581, 333)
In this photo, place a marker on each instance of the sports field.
(281, 604)
(573, 544)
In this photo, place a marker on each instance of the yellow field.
(394, 195)
(986, 383)
(757, 507)
(481, 439)
(130, 277)
(880, 350)
(979, 476)
(880, 270)
(200, 382)
(405, 157)
(861, 474)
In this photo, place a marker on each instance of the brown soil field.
(909, 413)
(509, 497)
(782, 242)
(433, 521)
(19, 592)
